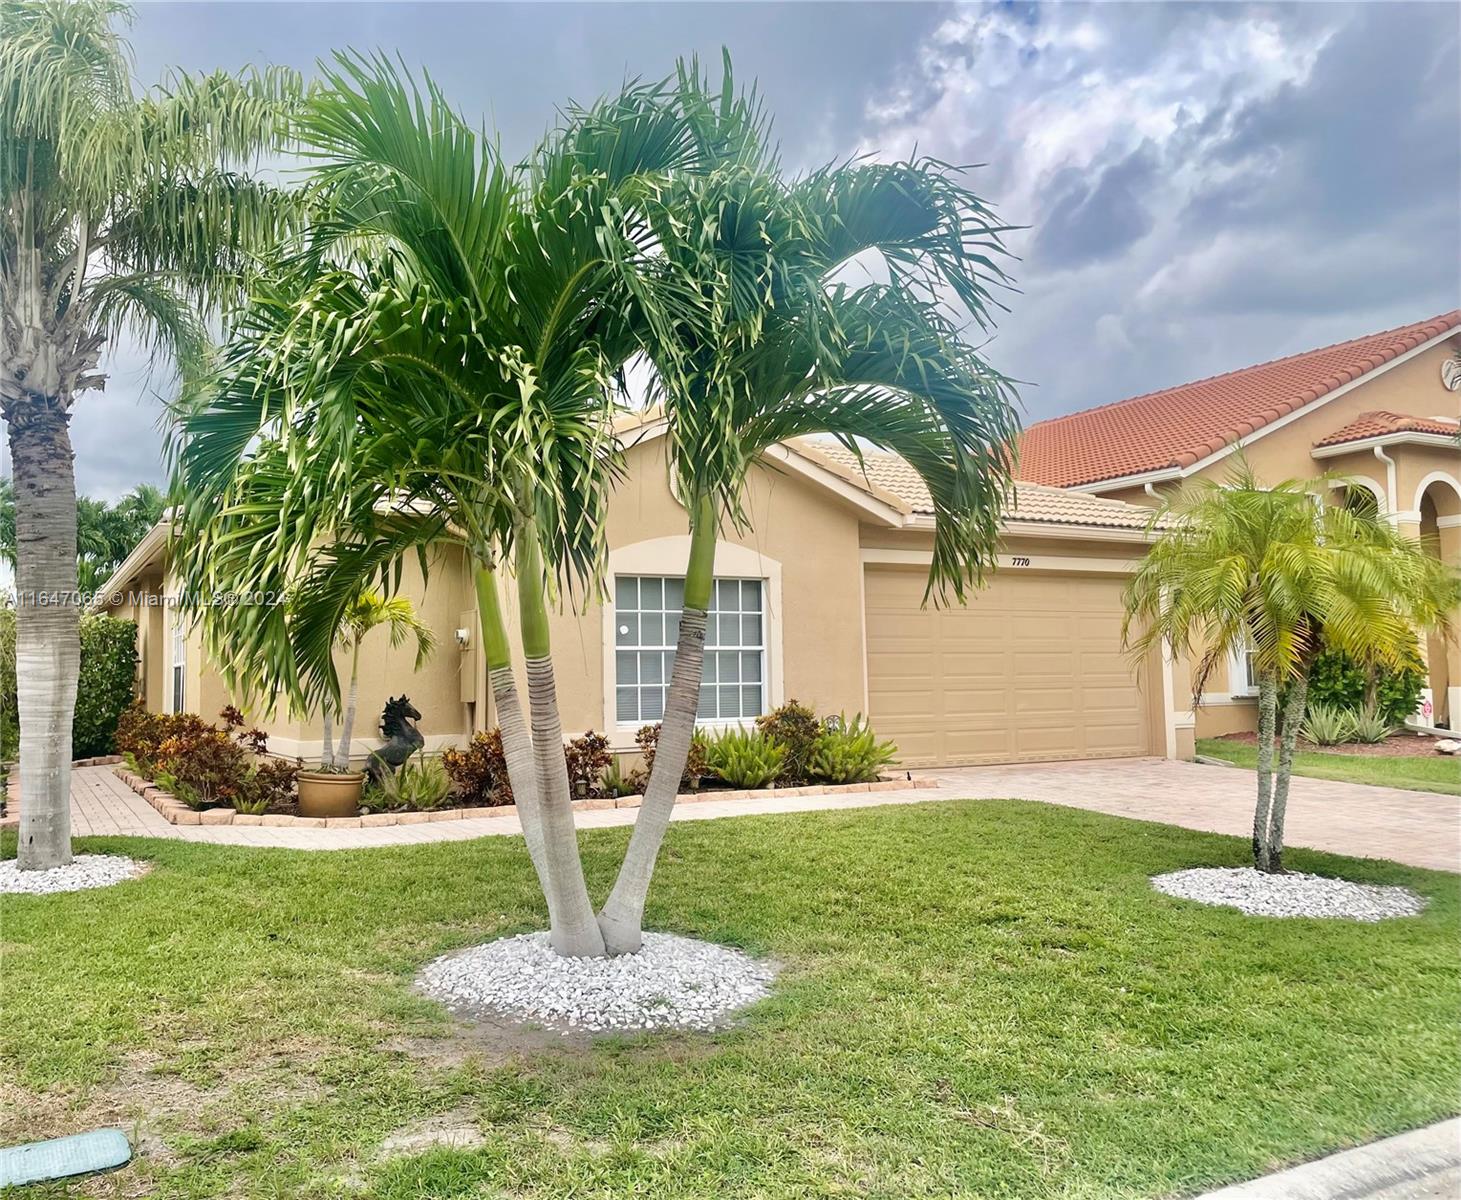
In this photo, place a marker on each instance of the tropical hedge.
(1344, 683)
(106, 684)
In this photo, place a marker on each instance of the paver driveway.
(1420, 828)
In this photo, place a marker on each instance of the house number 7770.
(1019, 561)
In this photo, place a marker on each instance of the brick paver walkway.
(1420, 828)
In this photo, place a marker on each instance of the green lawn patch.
(979, 999)
(1419, 773)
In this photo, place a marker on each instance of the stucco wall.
(798, 534)
(1413, 388)
(384, 670)
(805, 541)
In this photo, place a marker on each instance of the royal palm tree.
(1274, 571)
(119, 210)
(434, 363)
(105, 533)
(784, 351)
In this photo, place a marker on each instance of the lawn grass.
(979, 999)
(1419, 773)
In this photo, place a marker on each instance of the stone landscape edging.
(176, 812)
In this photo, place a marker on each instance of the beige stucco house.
(821, 598)
(1381, 410)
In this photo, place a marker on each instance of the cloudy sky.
(1204, 186)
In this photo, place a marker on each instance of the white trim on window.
(1242, 683)
(1366, 484)
(666, 557)
(179, 664)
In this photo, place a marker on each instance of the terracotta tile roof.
(887, 475)
(1177, 426)
(1379, 423)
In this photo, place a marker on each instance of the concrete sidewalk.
(1424, 1164)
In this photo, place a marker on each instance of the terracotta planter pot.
(324, 794)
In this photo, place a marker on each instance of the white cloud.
(1166, 158)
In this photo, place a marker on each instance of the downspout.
(1392, 513)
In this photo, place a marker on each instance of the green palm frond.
(773, 347)
(370, 610)
(1240, 564)
(156, 315)
(437, 357)
(129, 205)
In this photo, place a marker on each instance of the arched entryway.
(1438, 501)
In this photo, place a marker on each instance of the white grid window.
(179, 664)
(646, 628)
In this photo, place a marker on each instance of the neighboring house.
(1382, 410)
(821, 599)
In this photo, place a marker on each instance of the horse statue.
(403, 739)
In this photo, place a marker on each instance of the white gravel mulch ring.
(1293, 894)
(82, 872)
(671, 983)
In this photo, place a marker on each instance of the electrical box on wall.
(466, 643)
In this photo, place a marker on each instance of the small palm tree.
(118, 211)
(1240, 566)
(370, 610)
(781, 349)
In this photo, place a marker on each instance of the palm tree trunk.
(622, 917)
(1293, 718)
(1267, 718)
(575, 932)
(347, 722)
(47, 642)
(517, 742)
(327, 753)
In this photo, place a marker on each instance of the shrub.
(202, 765)
(797, 728)
(848, 752)
(479, 773)
(746, 758)
(419, 785)
(1397, 693)
(1370, 725)
(106, 684)
(141, 734)
(696, 763)
(1328, 725)
(587, 757)
(615, 782)
(1340, 682)
(647, 739)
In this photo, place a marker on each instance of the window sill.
(1219, 699)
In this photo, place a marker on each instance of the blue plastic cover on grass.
(80, 1154)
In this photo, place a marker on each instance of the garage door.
(1032, 669)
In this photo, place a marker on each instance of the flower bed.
(195, 773)
(179, 813)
